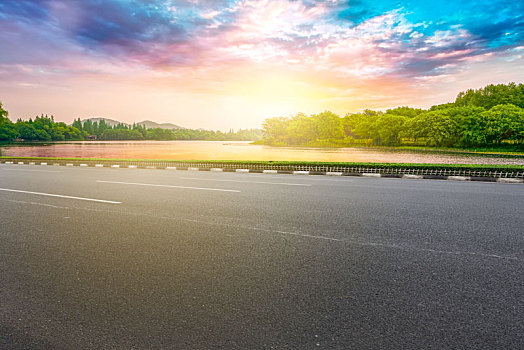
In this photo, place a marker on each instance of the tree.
(29, 132)
(3, 113)
(160, 134)
(405, 111)
(436, 127)
(328, 126)
(77, 123)
(7, 129)
(364, 125)
(301, 129)
(492, 95)
(274, 130)
(350, 123)
(387, 129)
(88, 127)
(504, 122)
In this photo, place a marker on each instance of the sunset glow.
(231, 64)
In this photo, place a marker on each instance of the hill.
(152, 125)
(110, 122)
(147, 123)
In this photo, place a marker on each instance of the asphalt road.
(128, 258)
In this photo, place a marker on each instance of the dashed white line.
(59, 196)
(168, 186)
(310, 236)
(35, 203)
(36, 171)
(245, 181)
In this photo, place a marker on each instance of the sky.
(220, 64)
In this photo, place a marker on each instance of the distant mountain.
(151, 125)
(110, 122)
(147, 123)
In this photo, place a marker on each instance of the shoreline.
(424, 149)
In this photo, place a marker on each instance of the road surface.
(129, 258)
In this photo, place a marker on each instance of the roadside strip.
(503, 176)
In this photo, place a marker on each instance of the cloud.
(219, 46)
(29, 10)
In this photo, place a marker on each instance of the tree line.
(44, 128)
(492, 116)
(103, 131)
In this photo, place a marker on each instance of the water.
(240, 150)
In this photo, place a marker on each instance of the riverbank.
(244, 151)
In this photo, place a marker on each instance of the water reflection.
(240, 150)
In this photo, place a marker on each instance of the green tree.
(77, 123)
(492, 95)
(301, 129)
(8, 131)
(88, 127)
(328, 126)
(274, 130)
(405, 111)
(504, 122)
(387, 129)
(160, 134)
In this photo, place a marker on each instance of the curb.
(507, 180)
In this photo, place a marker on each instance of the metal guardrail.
(279, 167)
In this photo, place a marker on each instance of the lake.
(240, 150)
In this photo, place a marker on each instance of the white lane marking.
(36, 171)
(310, 236)
(253, 182)
(35, 203)
(60, 196)
(169, 186)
